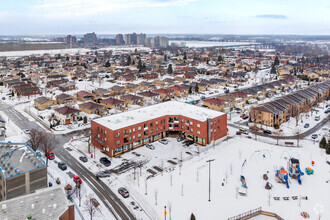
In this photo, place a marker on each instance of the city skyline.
(164, 17)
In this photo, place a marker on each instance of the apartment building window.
(182, 120)
(211, 130)
(133, 129)
(139, 135)
(105, 139)
(198, 125)
(215, 122)
(198, 132)
(105, 132)
(156, 122)
(218, 127)
(211, 123)
(130, 138)
(145, 125)
(191, 129)
(181, 126)
(98, 135)
(156, 129)
(130, 131)
(139, 128)
(118, 134)
(219, 121)
(118, 142)
(170, 119)
(101, 130)
(151, 131)
(151, 124)
(98, 129)
(191, 123)
(215, 130)
(133, 136)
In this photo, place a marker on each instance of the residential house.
(117, 90)
(42, 103)
(66, 115)
(149, 96)
(113, 103)
(67, 86)
(93, 108)
(132, 99)
(85, 96)
(100, 92)
(165, 94)
(178, 91)
(65, 99)
(215, 104)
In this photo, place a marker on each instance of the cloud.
(272, 16)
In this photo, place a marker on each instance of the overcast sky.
(165, 16)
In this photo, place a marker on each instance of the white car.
(317, 118)
(150, 146)
(26, 131)
(163, 141)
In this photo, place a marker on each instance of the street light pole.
(209, 161)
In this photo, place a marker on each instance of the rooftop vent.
(43, 211)
(32, 206)
(17, 170)
(4, 208)
(55, 206)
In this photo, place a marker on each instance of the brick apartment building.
(122, 132)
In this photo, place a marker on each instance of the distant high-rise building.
(119, 39)
(90, 39)
(141, 39)
(163, 42)
(128, 39)
(157, 42)
(131, 39)
(70, 40)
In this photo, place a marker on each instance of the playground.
(241, 170)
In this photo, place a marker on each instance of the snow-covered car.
(314, 136)
(150, 146)
(317, 118)
(102, 174)
(26, 131)
(163, 141)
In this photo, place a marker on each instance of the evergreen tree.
(67, 58)
(107, 64)
(95, 60)
(12, 94)
(323, 143)
(133, 62)
(273, 70)
(192, 217)
(85, 120)
(129, 60)
(144, 68)
(140, 66)
(190, 90)
(170, 69)
(165, 58)
(220, 59)
(196, 88)
(185, 56)
(327, 149)
(276, 61)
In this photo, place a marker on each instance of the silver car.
(102, 174)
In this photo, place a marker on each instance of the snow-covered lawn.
(188, 192)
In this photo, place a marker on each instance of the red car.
(51, 155)
(77, 179)
(245, 117)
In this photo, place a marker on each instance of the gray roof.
(18, 158)
(49, 203)
(41, 100)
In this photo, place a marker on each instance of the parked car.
(77, 179)
(123, 192)
(163, 141)
(62, 166)
(102, 174)
(317, 118)
(328, 162)
(267, 132)
(3, 98)
(150, 146)
(314, 136)
(245, 117)
(243, 131)
(188, 142)
(83, 158)
(51, 155)
(105, 161)
(26, 131)
(327, 111)
(179, 139)
(306, 125)
(202, 97)
(238, 133)
(249, 137)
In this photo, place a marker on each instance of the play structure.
(260, 154)
(309, 171)
(281, 176)
(294, 169)
(243, 182)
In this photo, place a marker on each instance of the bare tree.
(47, 143)
(88, 137)
(156, 196)
(89, 206)
(34, 139)
(79, 193)
(298, 135)
(170, 210)
(278, 135)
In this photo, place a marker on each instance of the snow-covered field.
(209, 43)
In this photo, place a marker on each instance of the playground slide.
(286, 181)
(299, 175)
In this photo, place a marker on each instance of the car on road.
(243, 131)
(163, 141)
(102, 174)
(150, 146)
(267, 132)
(306, 125)
(51, 155)
(105, 161)
(328, 162)
(3, 98)
(77, 179)
(203, 97)
(83, 159)
(245, 117)
(188, 142)
(249, 137)
(317, 118)
(123, 192)
(314, 136)
(26, 131)
(327, 111)
(62, 166)
(238, 133)
(179, 139)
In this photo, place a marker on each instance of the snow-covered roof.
(136, 116)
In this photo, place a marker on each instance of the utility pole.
(165, 213)
(209, 161)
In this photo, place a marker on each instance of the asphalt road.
(104, 193)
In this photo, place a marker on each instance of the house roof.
(91, 105)
(131, 97)
(112, 101)
(63, 96)
(215, 101)
(41, 100)
(84, 93)
(148, 94)
(163, 91)
(66, 110)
